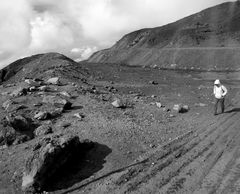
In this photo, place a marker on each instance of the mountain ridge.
(42, 66)
(189, 38)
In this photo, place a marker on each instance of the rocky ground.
(120, 132)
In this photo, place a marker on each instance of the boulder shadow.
(82, 165)
(76, 107)
(233, 110)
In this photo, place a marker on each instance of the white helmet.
(217, 81)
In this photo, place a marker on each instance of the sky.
(77, 28)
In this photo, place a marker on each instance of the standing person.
(219, 92)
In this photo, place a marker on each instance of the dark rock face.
(47, 158)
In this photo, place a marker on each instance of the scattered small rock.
(44, 88)
(19, 92)
(159, 105)
(118, 103)
(78, 115)
(155, 66)
(64, 93)
(200, 104)
(153, 82)
(56, 113)
(65, 124)
(181, 108)
(42, 115)
(7, 103)
(32, 83)
(151, 146)
(38, 104)
(54, 81)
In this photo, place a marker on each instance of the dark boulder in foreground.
(48, 156)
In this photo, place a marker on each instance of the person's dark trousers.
(221, 102)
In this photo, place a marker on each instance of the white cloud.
(31, 26)
(82, 53)
(14, 25)
(49, 33)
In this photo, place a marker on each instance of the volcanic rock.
(47, 157)
(181, 108)
(7, 103)
(118, 103)
(57, 101)
(53, 81)
(153, 82)
(42, 115)
(31, 83)
(200, 104)
(56, 113)
(79, 115)
(44, 88)
(64, 93)
(159, 105)
(43, 130)
(20, 123)
(19, 92)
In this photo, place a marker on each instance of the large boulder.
(57, 101)
(47, 157)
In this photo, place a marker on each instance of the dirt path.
(204, 161)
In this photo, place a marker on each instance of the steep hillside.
(207, 40)
(42, 66)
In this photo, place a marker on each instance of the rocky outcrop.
(48, 156)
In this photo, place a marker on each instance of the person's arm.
(224, 90)
(214, 90)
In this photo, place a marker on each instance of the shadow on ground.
(80, 167)
(233, 110)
